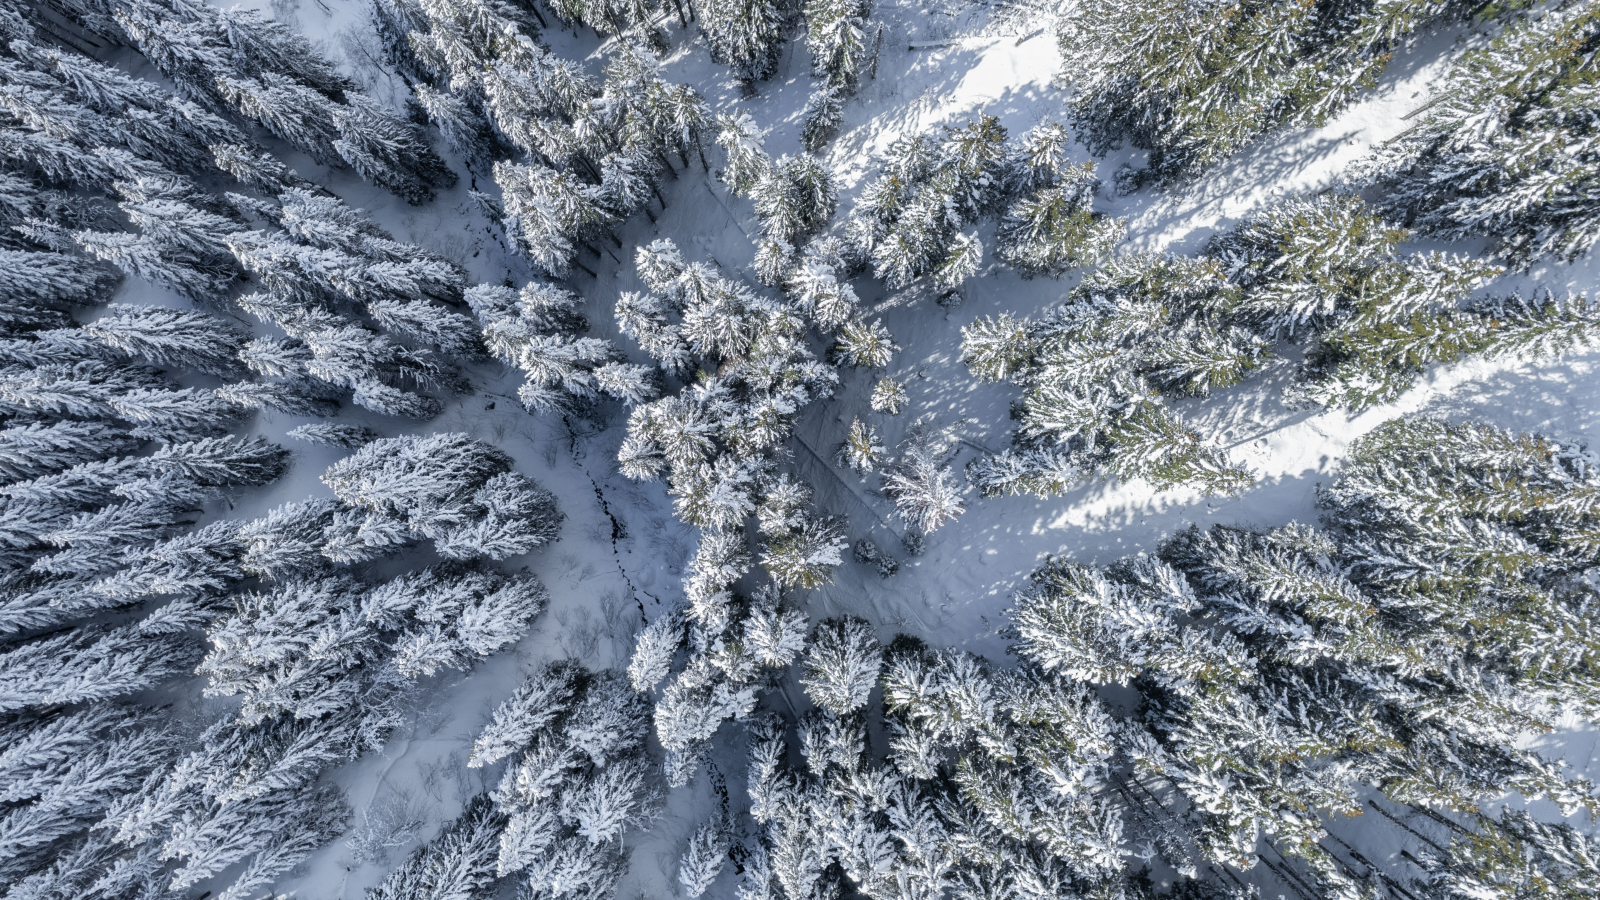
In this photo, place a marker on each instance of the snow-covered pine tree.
(350, 437)
(716, 449)
(1483, 160)
(29, 450)
(1193, 85)
(243, 795)
(907, 221)
(1321, 271)
(1324, 269)
(794, 197)
(1086, 406)
(745, 35)
(822, 116)
(841, 668)
(89, 664)
(537, 703)
(1553, 860)
(453, 490)
(919, 480)
(988, 782)
(169, 337)
(591, 153)
(732, 643)
(535, 330)
(458, 864)
(576, 788)
(862, 450)
(319, 662)
(654, 649)
(742, 143)
(888, 396)
(1053, 227)
(267, 73)
(705, 855)
(65, 772)
(837, 40)
(1324, 647)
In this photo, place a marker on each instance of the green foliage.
(1095, 369)
(1508, 147)
(1516, 858)
(1442, 616)
(1053, 229)
(1323, 272)
(1194, 83)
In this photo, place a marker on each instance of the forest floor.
(622, 552)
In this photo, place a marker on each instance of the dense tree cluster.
(1439, 616)
(1436, 619)
(837, 38)
(794, 196)
(1231, 693)
(1322, 272)
(1194, 83)
(718, 442)
(1051, 227)
(579, 781)
(909, 221)
(591, 154)
(239, 61)
(990, 786)
(537, 330)
(316, 657)
(361, 312)
(459, 863)
(1506, 148)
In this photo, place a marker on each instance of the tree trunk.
(659, 199)
(611, 17)
(678, 5)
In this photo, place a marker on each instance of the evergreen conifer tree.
(919, 480)
(745, 35)
(459, 864)
(862, 450)
(1194, 85)
(1483, 160)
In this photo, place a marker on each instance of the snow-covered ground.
(621, 551)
